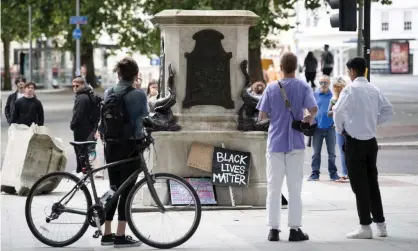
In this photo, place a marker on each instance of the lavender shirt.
(281, 136)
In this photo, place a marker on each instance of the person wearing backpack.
(122, 113)
(327, 61)
(86, 114)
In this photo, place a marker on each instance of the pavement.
(329, 208)
(329, 212)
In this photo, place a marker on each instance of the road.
(402, 91)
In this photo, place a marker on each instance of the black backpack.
(329, 58)
(96, 105)
(116, 125)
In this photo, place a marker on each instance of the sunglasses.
(323, 83)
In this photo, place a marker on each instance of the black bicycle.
(76, 208)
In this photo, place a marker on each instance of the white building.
(394, 28)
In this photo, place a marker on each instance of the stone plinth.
(173, 149)
(177, 29)
(194, 43)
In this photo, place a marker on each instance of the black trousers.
(118, 174)
(82, 134)
(310, 77)
(361, 157)
(327, 71)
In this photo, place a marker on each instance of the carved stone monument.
(205, 49)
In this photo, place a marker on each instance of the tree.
(14, 28)
(269, 11)
(50, 18)
(113, 17)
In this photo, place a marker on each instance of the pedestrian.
(135, 103)
(337, 87)
(327, 61)
(152, 94)
(325, 131)
(310, 64)
(285, 145)
(20, 83)
(359, 109)
(28, 109)
(85, 118)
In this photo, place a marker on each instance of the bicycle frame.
(131, 178)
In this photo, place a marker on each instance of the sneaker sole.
(107, 243)
(127, 245)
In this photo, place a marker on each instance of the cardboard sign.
(203, 186)
(230, 167)
(200, 156)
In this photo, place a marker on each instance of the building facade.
(394, 35)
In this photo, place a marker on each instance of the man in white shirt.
(360, 108)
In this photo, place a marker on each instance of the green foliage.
(273, 16)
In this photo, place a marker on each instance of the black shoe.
(298, 235)
(108, 240)
(274, 235)
(126, 242)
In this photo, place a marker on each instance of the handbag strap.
(287, 103)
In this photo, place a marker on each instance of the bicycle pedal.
(97, 234)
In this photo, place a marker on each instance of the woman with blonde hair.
(337, 87)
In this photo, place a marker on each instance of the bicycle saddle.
(82, 143)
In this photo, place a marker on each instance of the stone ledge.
(221, 17)
(224, 134)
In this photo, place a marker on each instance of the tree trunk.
(87, 59)
(7, 84)
(255, 69)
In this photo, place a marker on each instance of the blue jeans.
(329, 135)
(340, 143)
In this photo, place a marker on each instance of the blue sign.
(77, 34)
(155, 61)
(78, 20)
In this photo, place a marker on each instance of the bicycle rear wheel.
(49, 216)
(142, 212)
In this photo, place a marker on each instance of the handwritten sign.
(200, 156)
(203, 186)
(230, 167)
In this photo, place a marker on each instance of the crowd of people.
(344, 115)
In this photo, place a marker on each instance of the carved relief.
(208, 72)
(248, 113)
(162, 117)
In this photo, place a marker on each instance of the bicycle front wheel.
(47, 207)
(163, 229)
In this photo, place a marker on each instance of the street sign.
(155, 61)
(78, 20)
(77, 34)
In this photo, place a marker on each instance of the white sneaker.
(381, 230)
(365, 232)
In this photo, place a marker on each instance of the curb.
(39, 91)
(402, 145)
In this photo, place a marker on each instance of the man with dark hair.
(8, 110)
(136, 106)
(28, 109)
(81, 123)
(285, 145)
(359, 109)
(327, 61)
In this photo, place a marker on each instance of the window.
(407, 20)
(385, 21)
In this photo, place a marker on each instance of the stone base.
(172, 151)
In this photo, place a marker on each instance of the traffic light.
(346, 19)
